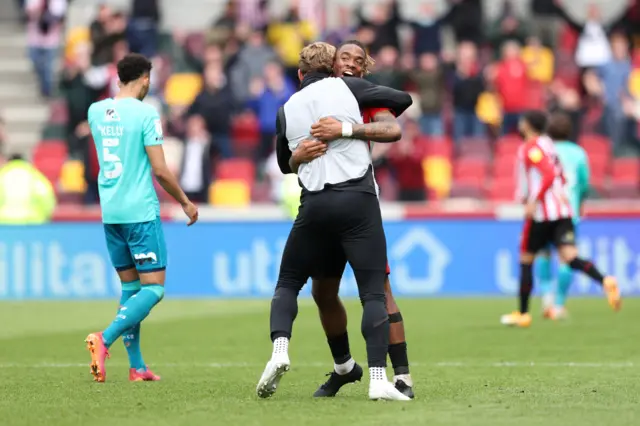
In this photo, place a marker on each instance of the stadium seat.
(437, 175)
(474, 147)
(49, 157)
(181, 89)
(470, 171)
(236, 169)
(626, 171)
(623, 191)
(72, 177)
(595, 144)
(466, 191)
(507, 150)
(245, 134)
(230, 193)
(433, 146)
(502, 189)
(504, 166)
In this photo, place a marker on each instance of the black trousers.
(326, 219)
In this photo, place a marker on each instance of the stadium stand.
(192, 45)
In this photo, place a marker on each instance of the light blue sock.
(543, 271)
(133, 312)
(131, 337)
(565, 276)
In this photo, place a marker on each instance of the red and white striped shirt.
(542, 180)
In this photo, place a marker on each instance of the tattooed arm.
(385, 128)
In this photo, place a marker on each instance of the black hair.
(354, 42)
(560, 127)
(537, 120)
(132, 67)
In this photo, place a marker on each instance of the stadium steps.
(20, 104)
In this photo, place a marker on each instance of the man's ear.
(300, 75)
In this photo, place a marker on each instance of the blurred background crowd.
(473, 66)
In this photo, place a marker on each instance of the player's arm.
(385, 128)
(283, 153)
(541, 162)
(371, 95)
(152, 135)
(522, 187)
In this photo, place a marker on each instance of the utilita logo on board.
(45, 270)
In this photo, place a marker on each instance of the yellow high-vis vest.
(26, 195)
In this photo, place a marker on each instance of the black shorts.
(537, 236)
(334, 227)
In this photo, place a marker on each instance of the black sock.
(284, 309)
(339, 346)
(588, 268)
(399, 358)
(526, 285)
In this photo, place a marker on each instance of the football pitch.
(467, 369)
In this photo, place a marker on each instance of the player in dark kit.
(351, 60)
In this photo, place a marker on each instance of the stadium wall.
(443, 254)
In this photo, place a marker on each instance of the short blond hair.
(317, 56)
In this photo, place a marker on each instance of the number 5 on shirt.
(115, 164)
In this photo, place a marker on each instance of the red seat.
(475, 147)
(49, 157)
(626, 171)
(245, 133)
(508, 145)
(595, 144)
(236, 169)
(504, 166)
(623, 191)
(466, 191)
(470, 171)
(426, 146)
(502, 189)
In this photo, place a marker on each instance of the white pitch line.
(444, 364)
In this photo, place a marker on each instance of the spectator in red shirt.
(512, 85)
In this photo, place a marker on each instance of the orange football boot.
(99, 354)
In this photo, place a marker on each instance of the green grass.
(211, 353)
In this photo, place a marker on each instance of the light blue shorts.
(137, 245)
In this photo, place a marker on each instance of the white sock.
(406, 378)
(344, 368)
(280, 346)
(377, 374)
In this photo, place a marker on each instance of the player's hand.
(327, 129)
(191, 210)
(309, 150)
(530, 210)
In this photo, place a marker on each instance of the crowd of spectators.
(474, 89)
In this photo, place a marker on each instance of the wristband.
(347, 130)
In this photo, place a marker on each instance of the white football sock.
(280, 346)
(344, 368)
(377, 374)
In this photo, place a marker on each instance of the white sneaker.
(273, 372)
(384, 390)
